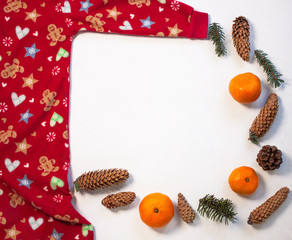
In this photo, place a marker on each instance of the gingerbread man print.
(12, 70)
(55, 34)
(35, 43)
(96, 22)
(47, 166)
(15, 199)
(14, 6)
(49, 100)
(139, 3)
(5, 135)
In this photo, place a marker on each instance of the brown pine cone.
(261, 213)
(240, 36)
(100, 179)
(264, 120)
(186, 212)
(269, 157)
(118, 200)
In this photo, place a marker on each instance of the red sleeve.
(137, 17)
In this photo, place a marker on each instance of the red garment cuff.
(199, 25)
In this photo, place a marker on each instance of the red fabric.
(36, 38)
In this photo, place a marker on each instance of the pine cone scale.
(240, 36)
(100, 179)
(264, 120)
(118, 200)
(262, 212)
(185, 210)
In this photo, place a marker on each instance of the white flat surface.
(161, 109)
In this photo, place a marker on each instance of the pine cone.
(264, 120)
(269, 157)
(185, 210)
(100, 179)
(240, 36)
(261, 213)
(118, 200)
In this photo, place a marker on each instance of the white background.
(161, 109)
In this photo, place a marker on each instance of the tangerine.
(243, 180)
(156, 210)
(245, 87)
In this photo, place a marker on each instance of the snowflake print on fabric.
(58, 7)
(55, 235)
(31, 51)
(66, 166)
(58, 198)
(68, 22)
(25, 116)
(35, 49)
(175, 5)
(7, 41)
(85, 6)
(65, 102)
(56, 70)
(25, 181)
(51, 136)
(146, 23)
(3, 107)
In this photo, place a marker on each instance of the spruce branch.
(217, 36)
(274, 77)
(217, 209)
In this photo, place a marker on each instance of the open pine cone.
(269, 157)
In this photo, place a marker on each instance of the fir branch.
(274, 77)
(217, 209)
(217, 36)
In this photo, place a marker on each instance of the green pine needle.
(218, 210)
(274, 77)
(217, 36)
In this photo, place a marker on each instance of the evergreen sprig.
(217, 36)
(274, 77)
(217, 209)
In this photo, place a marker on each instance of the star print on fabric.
(146, 23)
(11, 233)
(174, 31)
(31, 51)
(22, 146)
(25, 116)
(29, 81)
(32, 15)
(85, 6)
(113, 13)
(25, 181)
(55, 235)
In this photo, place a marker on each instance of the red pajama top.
(35, 46)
